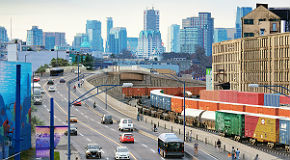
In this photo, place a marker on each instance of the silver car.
(122, 152)
(93, 151)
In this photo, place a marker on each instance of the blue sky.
(70, 15)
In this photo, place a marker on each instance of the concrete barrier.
(115, 104)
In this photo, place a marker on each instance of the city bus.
(169, 145)
(56, 72)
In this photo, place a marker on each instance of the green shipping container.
(230, 123)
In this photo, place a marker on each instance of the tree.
(89, 61)
(59, 62)
(42, 69)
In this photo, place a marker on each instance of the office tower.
(260, 22)
(284, 14)
(132, 44)
(79, 38)
(151, 19)
(190, 39)
(109, 27)
(34, 36)
(205, 23)
(52, 39)
(220, 34)
(241, 12)
(173, 44)
(118, 40)
(3, 35)
(149, 43)
(93, 30)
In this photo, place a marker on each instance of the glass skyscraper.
(3, 35)
(132, 44)
(118, 40)
(189, 39)
(79, 38)
(241, 12)
(205, 23)
(223, 34)
(34, 36)
(109, 27)
(52, 39)
(173, 44)
(151, 19)
(93, 30)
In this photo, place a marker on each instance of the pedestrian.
(219, 143)
(237, 154)
(75, 88)
(138, 116)
(233, 153)
(195, 148)
(257, 157)
(95, 105)
(229, 156)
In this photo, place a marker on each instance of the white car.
(51, 89)
(122, 153)
(126, 124)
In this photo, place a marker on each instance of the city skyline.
(71, 19)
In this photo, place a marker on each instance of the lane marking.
(82, 113)
(110, 139)
(86, 116)
(77, 109)
(144, 145)
(153, 150)
(89, 140)
(47, 109)
(162, 158)
(81, 134)
(102, 151)
(44, 106)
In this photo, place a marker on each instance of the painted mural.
(7, 107)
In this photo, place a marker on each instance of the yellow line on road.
(86, 124)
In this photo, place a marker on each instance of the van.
(36, 86)
(126, 124)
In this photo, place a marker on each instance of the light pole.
(124, 85)
(25, 57)
(172, 76)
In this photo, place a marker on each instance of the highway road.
(90, 130)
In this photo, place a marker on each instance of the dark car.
(73, 131)
(50, 82)
(107, 119)
(62, 80)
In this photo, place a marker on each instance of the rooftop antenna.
(11, 28)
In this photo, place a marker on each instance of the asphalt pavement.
(90, 130)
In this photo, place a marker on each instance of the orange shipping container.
(284, 112)
(209, 106)
(190, 103)
(209, 95)
(176, 105)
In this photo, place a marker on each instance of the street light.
(70, 103)
(56, 56)
(172, 76)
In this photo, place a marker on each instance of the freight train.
(255, 123)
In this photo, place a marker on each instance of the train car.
(230, 123)
(262, 128)
(284, 130)
(207, 120)
(192, 116)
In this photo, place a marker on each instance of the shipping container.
(251, 98)
(284, 112)
(272, 99)
(284, 131)
(232, 107)
(263, 128)
(230, 123)
(208, 105)
(284, 99)
(212, 95)
(166, 104)
(228, 96)
(176, 105)
(191, 103)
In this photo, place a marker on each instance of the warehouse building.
(260, 60)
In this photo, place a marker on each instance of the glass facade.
(34, 36)
(118, 40)
(173, 44)
(132, 44)
(3, 35)
(151, 19)
(220, 34)
(189, 39)
(93, 30)
(241, 12)
(109, 27)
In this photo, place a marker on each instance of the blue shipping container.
(272, 100)
(284, 137)
(167, 103)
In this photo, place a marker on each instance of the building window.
(248, 34)
(262, 31)
(262, 19)
(274, 27)
(248, 21)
